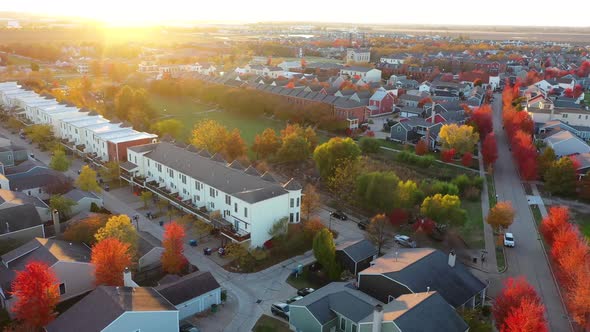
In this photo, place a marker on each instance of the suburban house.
(11, 154)
(392, 59)
(381, 102)
(414, 128)
(239, 201)
(358, 55)
(114, 309)
(364, 73)
(69, 261)
(339, 306)
(20, 223)
(551, 127)
(356, 256)
(564, 143)
(83, 199)
(32, 179)
(10, 199)
(409, 271)
(192, 293)
(411, 100)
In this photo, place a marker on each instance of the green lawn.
(583, 220)
(472, 231)
(500, 258)
(536, 214)
(267, 323)
(306, 279)
(491, 190)
(190, 112)
(18, 61)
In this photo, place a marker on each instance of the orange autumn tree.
(110, 258)
(37, 293)
(173, 260)
(501, 215)
(421, 147)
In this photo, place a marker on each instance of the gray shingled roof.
(431, 314)
(188, 287)
(105, 304)
(18, 198)
(76, 195)
(237, 183)
(19, 217)
(358, 250)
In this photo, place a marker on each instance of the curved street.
(528, 258)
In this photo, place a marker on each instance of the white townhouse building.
(81, 130)
(240, 202)
(358, 55)
(364, 73)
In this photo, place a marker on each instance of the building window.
(342, 324)
(184, 179)
(228, 199)
(211, 192)
(297, 217)
(290, 217)
(353, 328)
(297, 201)
(246, 212)
(236, 207)
(197, 185)
(212, 205)
(62, 288)
(292, 202)
(171, 173)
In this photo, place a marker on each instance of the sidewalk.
(491, 264)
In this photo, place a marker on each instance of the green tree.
(266, 144)
(170, 127)
(87, 180)
(561, 177)
(39, 134)
(342, 183)
(294, 148)
(369, 145)
(121, 228)
(545, 160)
(324, 251)
(408, 194)
(461, 138)
(146, 197)
(210, 135)
(59, 161)
(124, 100)
(378, 190)
(63, 205)
(238, 252)
(379, 231)
(444, 209)
(279, 228)
(110, 172)
(333, 153)
(310, 201)
(34, 66)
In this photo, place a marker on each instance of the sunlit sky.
(456, 12)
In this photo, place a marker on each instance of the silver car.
(405, 241)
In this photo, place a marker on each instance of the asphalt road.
(527, 258)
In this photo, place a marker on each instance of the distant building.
(361, 55)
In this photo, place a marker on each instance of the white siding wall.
(78, 277)
(265, 214)
(199, 304)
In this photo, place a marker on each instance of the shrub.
(472, 193)
(413, 159)
(94, 208)
(444, 188)
(369, 145)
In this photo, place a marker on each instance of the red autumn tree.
(578, 90)
(525, 318)
(518, 296)
(489, 150)
(173, 260)
(557, 218)
(424, 101)
(467, 159)
(481, 118)
(110, 258)
(525, 153)
(398, 217)
(421, 147)
(447, 155)
(370, 133)
(577, 296)
(569, 93)
(37, 293)
(424, 225)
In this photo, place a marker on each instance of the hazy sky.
(494, 12)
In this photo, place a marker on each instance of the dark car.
(280, 309)
(339, 215)
(363, 224)
(305, 291)
(188, 327)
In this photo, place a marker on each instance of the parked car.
(339, 215)
(363, 224)
(404, 240)
(280, 309)
(305, 291)
(188, 327)
(508, 240)
(294, 298)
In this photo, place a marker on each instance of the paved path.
(490, 243)
(528, 257)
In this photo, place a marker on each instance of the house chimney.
(452, 258)
(127, 281)
(377, 318)
(56, 226)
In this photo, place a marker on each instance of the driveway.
(528, 258)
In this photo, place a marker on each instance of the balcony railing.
(239, 236)
(126, 176)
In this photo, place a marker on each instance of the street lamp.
(136, 219)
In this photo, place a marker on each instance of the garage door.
(209, 299)
(189, 310)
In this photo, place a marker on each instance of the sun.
(126, 14)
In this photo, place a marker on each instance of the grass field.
(189, 112)
(267, 323)
(472, 231)
(17, 61)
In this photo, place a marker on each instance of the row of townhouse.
(82, 131)
(239, 201)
